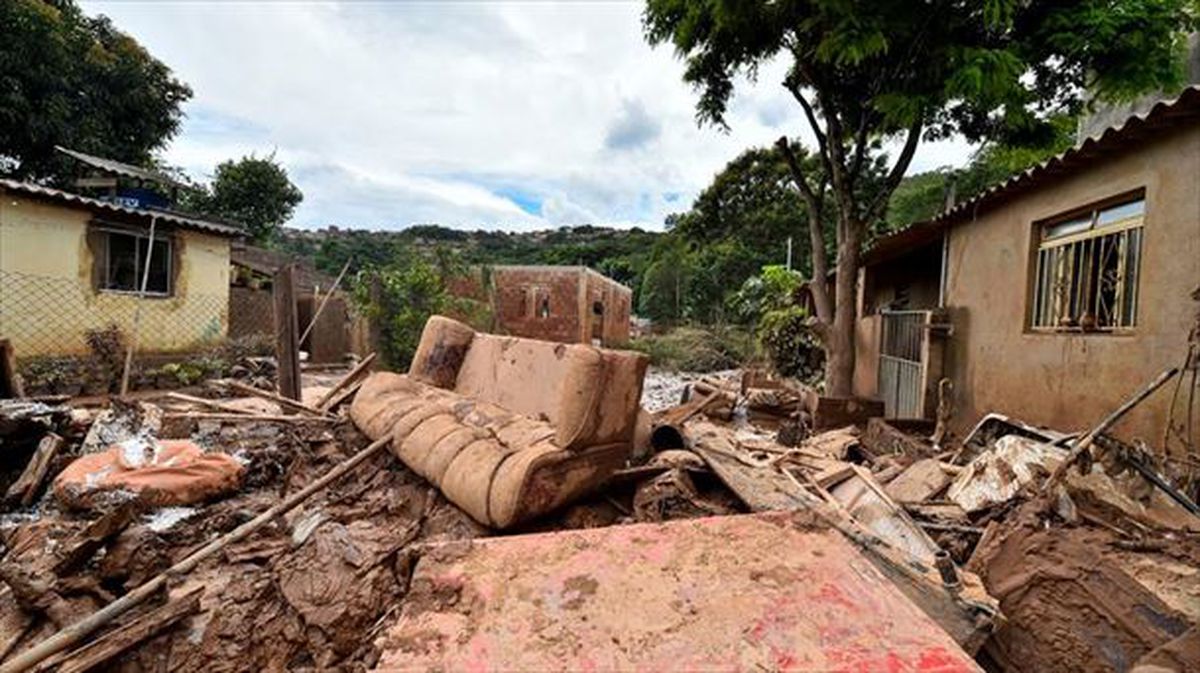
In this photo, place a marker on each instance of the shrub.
(789, 344)
(697, 349)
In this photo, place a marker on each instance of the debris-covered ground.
(1098, 572)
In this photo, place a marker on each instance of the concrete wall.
(48, 297)
(1071, 381)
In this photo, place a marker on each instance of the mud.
(1070, 604)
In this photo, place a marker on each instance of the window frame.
(106, 231)
(1039, 243)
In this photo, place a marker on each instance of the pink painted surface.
(745, 593)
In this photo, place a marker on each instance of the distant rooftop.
(111, 166)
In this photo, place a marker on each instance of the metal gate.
(901, 368)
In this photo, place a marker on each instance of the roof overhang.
(178, 219)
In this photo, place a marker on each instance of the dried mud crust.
(1074, 600)
(292, 596)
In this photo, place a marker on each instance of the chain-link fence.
(69, 337)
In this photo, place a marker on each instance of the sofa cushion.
(476, 453)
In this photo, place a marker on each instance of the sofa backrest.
(590, 395)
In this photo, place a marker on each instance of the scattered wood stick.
(214, 404)
(342, 397)
(274, 397)
(25, 488)
(134, 633)
(323, 404)
(266, 418)
(1087, 440)
(88, 625)
(325, 300)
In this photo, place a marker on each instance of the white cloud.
(493, 115)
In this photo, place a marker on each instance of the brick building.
(570, 304)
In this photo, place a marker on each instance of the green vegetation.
(73, 80)
(697, 349)
(406, 292)
(255, 193)
(864, 73)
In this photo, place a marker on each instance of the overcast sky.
(484, 114)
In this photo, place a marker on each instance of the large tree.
(866, 72)
(254, 192)
(73, 80)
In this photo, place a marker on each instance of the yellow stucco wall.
(47, 300)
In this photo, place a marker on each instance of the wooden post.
(287, 345)
(375, 321)
(313, 322)
(10, 381)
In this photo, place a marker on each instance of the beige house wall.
(47, 295)
(1071, 381)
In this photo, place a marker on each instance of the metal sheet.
(755, 592)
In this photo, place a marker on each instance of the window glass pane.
(1066, 228)
(160, 263)
(1121, 212)
(122, 263)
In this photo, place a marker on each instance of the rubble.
(794, 541)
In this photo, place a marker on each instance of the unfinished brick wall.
(607, 309)
(538, 302)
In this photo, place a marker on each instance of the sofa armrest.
(600, 399)
(444, 345)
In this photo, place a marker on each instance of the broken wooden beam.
(213, 404)
(125, 638)
(25, 488)
(274, 397)
(1087, 440)
(85, 544)
(342, 396)
(88, 625)
(265, 418)
(324, 404)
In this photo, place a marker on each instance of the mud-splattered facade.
(65, 271)
(1057, 295)
(569, 304)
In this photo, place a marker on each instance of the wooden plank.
(131, 635)
(287, 345)
(81, 629)
(761, 487)
(263, 418)
(870, 505)
(25, 488)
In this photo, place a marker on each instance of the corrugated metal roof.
(117, 167)
(96, 205)
(1183, 109)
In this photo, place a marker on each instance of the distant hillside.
(621, 254)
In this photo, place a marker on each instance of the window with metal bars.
(1086, 271)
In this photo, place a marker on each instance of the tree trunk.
(839, 349)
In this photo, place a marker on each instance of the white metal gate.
(901, 367)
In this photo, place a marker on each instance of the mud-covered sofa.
(507, 428)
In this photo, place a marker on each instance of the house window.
(1087, 271)
(124, 263)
